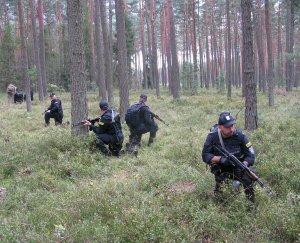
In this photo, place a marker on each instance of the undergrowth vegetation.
(55, 187)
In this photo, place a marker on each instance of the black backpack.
(132, 117)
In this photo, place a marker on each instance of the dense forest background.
(183, 45)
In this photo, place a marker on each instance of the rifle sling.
(221, 139)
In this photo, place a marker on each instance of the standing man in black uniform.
(108, 130)
(54, 111)
(237, 143)
(142, 123)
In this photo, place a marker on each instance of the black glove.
(224, 161)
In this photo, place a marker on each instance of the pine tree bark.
(194, 49)
(24, 57)
(208, 71)
(149, 53)
(42, 45)
(289, 44)
(142, 40)
(270, 54)
(228, 57)
(279, 49)
(122, 58)
(260, 47)
(248, 66)
(154, 48)
(36, 52)
(107, 54)
(174, 57)
(92, 41)
(100, 58)
(163, 45)
(79, 109)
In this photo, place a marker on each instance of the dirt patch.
(122, 175)
(184, 187)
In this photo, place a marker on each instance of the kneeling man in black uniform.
(108, 130)
(237, 143)
(54, 111)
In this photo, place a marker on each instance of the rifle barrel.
(238, 163)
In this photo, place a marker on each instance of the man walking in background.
(140, 121)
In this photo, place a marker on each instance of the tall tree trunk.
(289, 44)
(260, 46)
(42, 45)
(175, 66)
(154, 48)
(92, 40)
(163, 45)
(213, 44)
(237, 70)
(79, 109)
(36, 52)
(279, 50)
(142, 38)
(201, 69)
(149, 53)
(228, 57)
(208, 71)
(194, 49)
(270, 54)
(100, 57)
(297, 72)
(24, 58)
(107, 54)
(122, 57)
(248, 66)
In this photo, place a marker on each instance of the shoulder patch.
(248, 145)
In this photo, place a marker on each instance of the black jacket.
(56, 107)
(109, 123)
(238, 144)
(145, 116)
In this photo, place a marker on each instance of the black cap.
(144, 97)
(226, 119)
(103, 104)
(52, 94)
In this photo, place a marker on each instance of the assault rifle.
(158, 118)
(235, 162)
(83, 121)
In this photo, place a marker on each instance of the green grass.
(60, 188)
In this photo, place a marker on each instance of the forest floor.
(56, 188)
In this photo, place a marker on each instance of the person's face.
(143, 100)
(227, 131)
(52, 97)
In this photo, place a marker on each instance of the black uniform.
(56, 112)
(146, 124)
(108, 131)
(240, 146)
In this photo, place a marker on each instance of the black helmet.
(103, 104)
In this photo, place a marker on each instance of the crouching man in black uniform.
(54, 111)
(226, 135)
(140, 123)
(108, 130)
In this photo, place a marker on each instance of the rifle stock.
(235, 162)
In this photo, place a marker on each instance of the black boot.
(150, 141)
